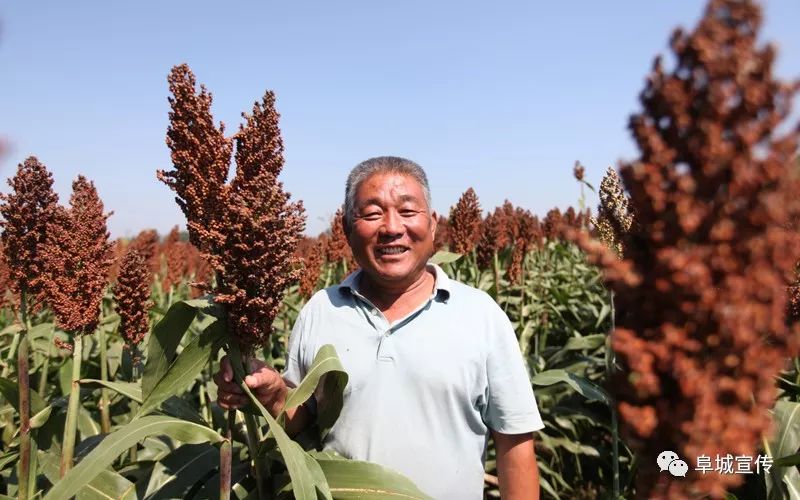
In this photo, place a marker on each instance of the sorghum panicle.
(442, 236)
(465, 222)
(552, 224)
(201, 157)
(578, 171)
(132, 296)
(488, 245)
(146, 244)
(77, 257)
(261, 231)
(614, 218)
(312, 268)
(700, 295)
(26, 212)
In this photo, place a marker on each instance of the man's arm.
(516, 466)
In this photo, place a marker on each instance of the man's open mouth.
(390, 250)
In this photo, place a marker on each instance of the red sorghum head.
(132, 297)
(465, 222)
(26, 211)
(77, 257)
(700, 295)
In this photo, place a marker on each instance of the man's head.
(388, 219)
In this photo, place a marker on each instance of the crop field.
(667, 318)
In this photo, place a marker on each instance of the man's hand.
(264, 381)
(516, 466)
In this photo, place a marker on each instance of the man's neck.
(388, 295)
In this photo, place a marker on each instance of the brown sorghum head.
(178, 259)
(465, 222)
(700, 295)
(26, 211)
(552, 224)
(261, 231)
(312, 267)
(146, 244)
(578, 171)
(488, 245)
(77, 257)
(336, 248)
(442, 236)
(132, 297)
(614, 218)
(514, 273)
(201, 157)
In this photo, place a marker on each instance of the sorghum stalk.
(71, 424)
(105, 411)
(23, 379)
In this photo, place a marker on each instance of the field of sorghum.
(665, 319)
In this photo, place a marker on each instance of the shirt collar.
(441, 282)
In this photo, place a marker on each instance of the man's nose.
(392, 223)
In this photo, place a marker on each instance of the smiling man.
(434, 364)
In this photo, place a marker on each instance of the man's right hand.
(264, 381)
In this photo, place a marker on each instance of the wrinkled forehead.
(389, 187)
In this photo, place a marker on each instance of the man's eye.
(371, 216)
(409, 213)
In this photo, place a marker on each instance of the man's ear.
(434, 223)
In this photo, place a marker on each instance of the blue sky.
(501, 97)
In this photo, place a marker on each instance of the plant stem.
(251, 424)
(496, 270)
(46, 367)
(610, 361)
(105, 414)
(134, 406)
(225, 459)
(71, 425)
(24, 403)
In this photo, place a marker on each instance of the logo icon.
(670, 461)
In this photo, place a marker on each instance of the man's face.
(392, 230)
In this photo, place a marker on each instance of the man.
(434, 364)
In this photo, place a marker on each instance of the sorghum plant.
(442, 236)
(465, 223)
(26, 214)
(247, 230)
(201, 158)
(77, 256)
(614, 218)
(146, 244)
(132, 296)
(177, 257)
(489, 243)
(337, 250)
(701, 292)
(261, 232)
(312, 268)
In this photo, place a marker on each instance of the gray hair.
(380, 165)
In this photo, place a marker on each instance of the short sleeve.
(296, 367)
(510, 404)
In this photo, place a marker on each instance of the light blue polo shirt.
(425, 390)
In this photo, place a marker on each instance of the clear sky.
(501, 96)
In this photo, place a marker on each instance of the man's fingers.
(266, 376)
(230, 387)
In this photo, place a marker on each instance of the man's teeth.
(392, 250)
